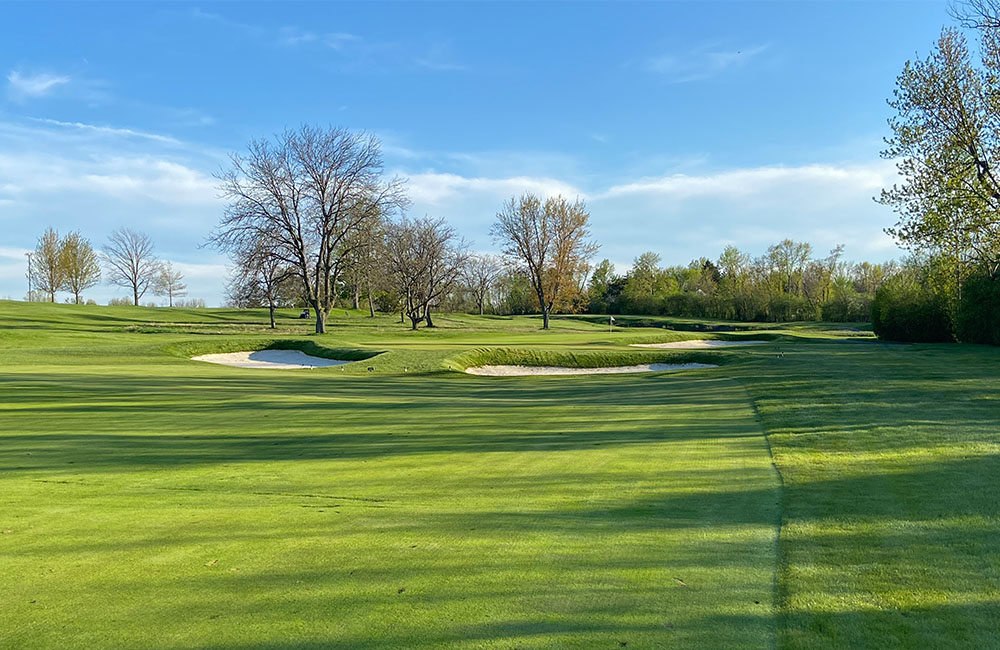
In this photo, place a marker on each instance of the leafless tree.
(169, 283)
(129, 262)
(258, 278)
(364, 267)
(79, 263)
(479, 274)
(550, 242)
(425, 257)
(304, 194)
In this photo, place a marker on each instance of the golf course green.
(820, 490)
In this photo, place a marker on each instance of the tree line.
(70, 263)
(786, 283)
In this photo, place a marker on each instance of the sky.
(686, 127)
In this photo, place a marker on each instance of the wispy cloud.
(701, 63)
(759, 180)
(108, 130)
(21, 86)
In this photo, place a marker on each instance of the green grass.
(156, 502)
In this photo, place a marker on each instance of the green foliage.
(978, 318)
(907, 308)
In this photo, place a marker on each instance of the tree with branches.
(303, 194)
(48, 274)
(479, 274)
(130, 262)
(550, 242)
(80, 267)
(426, 257)
(169, 283)
(259, 278)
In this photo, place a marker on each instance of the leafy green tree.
(79, 262)
(48, 274)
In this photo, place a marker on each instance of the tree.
(946, 136)
(303, 195)
(426, 258)
(480, 273)
(80, 267)
(47, 271)
(169, 283)
(550, 242)
(130, 262)
(364, 270)
(789, 259)
(259, 278)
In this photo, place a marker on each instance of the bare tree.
(549, 241)
(47, 272)
(425, 257)
(259, 278)
(79, 265)
(364, 269)
(479, 274)
(130, 262)
(303, 195)
(169, 283)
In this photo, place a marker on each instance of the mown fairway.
(151, 501)
(154, 501)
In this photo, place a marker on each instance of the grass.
(156, 502)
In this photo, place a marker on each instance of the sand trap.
(526, 371)
(695, 345)
(273, 359)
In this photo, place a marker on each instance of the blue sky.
(685, 126)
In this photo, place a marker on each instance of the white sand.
(273, 359)
(525, 371)
(695, 345)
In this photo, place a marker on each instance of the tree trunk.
(371, 301)
(356, 297)
(414, 320)
(427, 316)
(76, 297)
(320, 318)
(545, 318)
(481, 306)
(270, 309)
(135, 295)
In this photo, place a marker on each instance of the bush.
(907, 309)
(978, 318)
(120, 302)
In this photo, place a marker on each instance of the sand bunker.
(525, 371)
(273, 359)
(695, 345)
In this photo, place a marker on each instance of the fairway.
(156, 502)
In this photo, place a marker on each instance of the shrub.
(907, 309)
(120, 302)
(978, 318)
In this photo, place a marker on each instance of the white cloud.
(701, 63)
(24, 86)
(107, 130)
(435, 188)
(743, 182)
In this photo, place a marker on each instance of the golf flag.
(612, 319)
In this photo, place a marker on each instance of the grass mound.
(580, 359)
